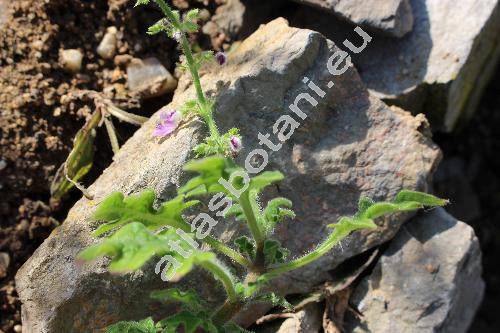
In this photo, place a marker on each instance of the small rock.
(71, 60)
(4, 264)
(427, 281)
(123, 59)
(307, 320)
(107, 47)
(18, 328)
(204, 15)
(3, 164)
(149, 78)
(229, 17)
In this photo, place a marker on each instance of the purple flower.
(235, 144)
(221, 58)
(169, 121)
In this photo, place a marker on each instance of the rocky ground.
(39, 119)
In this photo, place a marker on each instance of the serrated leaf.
(189, 321)
(275, 300)
(246, 246)
(274, 252)
(265, 179)
(158, 27)
(187, 264)
(236, 211)
(141, 2)
(190, 107)
(276, 210)
(130, 247)
(192, 15)
(189, 27)
(144, 326)
(118, 210)
(210, 170)
(189, 299)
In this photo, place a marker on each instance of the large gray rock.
(441, 67)
(350, 145)
(428, 280)
(393, 17)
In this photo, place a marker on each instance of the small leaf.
(189, 26)
(118, 210)
(423, 198)
(273, 252)
(275, 211)
(144, 326)
(192, 15)
(236, 211)
(141, 2)
(266, 178)
(130, 247)
(245, 246)
(157, 27)
(275, 300)
(364, 203)
(188, 299)
(189, 321)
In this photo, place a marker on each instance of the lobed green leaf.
(190, 300)
(118, 210)
(144, 326)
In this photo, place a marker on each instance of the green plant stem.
(224, 277)
(321, 250)
(230, 308)
(205, 106)
(251, 219)
(224, 249)
(227, 311)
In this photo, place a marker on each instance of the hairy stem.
(221, 274)
(224, 249)
(321, 250)
(251, 219)
(227, 311)
(205, 106)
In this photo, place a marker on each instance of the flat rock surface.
(428, 280)
(351, 144)
(392, 17)
(433, 69)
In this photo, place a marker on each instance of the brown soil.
(39, 121)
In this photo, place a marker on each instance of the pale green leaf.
(144, 326)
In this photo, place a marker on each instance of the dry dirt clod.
(149, 78)
(71, 60)
(107, 47)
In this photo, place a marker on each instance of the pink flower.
(235, 144)
(221, 58)
(169, 121)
